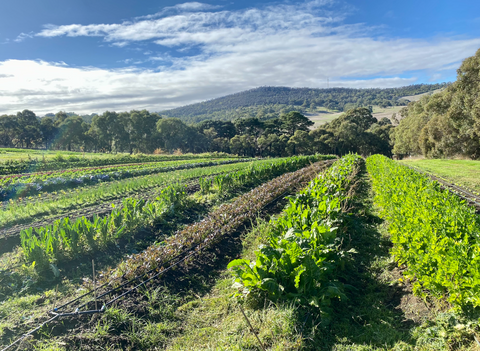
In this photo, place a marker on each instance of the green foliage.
(26, 210)
(354, 131)
(59, 162)
(209, 231)
(304, 250)
(66, 238)
(269, 102)
(256, 173)
(447, 123)
(435, 234)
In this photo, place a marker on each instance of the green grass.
(27, 154)
(462, 172)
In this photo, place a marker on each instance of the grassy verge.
(463, 172)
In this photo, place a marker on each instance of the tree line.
(142, 131)
(447, 123)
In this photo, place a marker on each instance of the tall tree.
(48, 130)
(28, 128)
(293, 121)
(71, 133)
(9, 129)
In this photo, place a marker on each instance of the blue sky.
(91, 56)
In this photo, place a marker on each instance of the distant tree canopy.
(437, 125)
(270, 102)
(447, 123)
(142, 131)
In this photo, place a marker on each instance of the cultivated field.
(26, 154)
(214, 252)
(323, 115)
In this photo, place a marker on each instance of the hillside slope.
(267, 102)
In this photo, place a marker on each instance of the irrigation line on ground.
(194, 247)
(102, 209)
(192, 251)
(102, 310)
(453, 188)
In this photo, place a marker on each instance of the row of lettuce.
(436, 235)
(32, 184)
(304, 252)
(73, 161)
(65, 238)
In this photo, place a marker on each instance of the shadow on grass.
(371, 317)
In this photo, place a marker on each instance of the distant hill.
(268, 102)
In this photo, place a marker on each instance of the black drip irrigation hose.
(192, 251)
(79, 313)
(24, 336)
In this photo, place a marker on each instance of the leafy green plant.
(435, 233)
(222, 221)
(304, 248)
(65, 238)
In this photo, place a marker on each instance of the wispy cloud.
(22, 36)
(185, 7)
(281, 45)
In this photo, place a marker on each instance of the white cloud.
(282, 45)
(195, 6)
(22, 36)
(185, 7)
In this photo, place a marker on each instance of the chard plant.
(304, 252)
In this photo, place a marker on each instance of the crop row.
(435, 234)
(59, 162)
(32, 184)
(17, 213)
(66, 238)
(221, 181)
(99, 209)
(304, 246)
(228, 181)
(222, 221)
(21, 212)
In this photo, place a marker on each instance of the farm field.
(23, 154)
(299, 253)
(463, 172)
(46, 252)
(21, 161)
(323, 115)
(419, 96)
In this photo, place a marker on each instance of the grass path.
(463, 172)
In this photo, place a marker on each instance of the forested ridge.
(266, 102)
